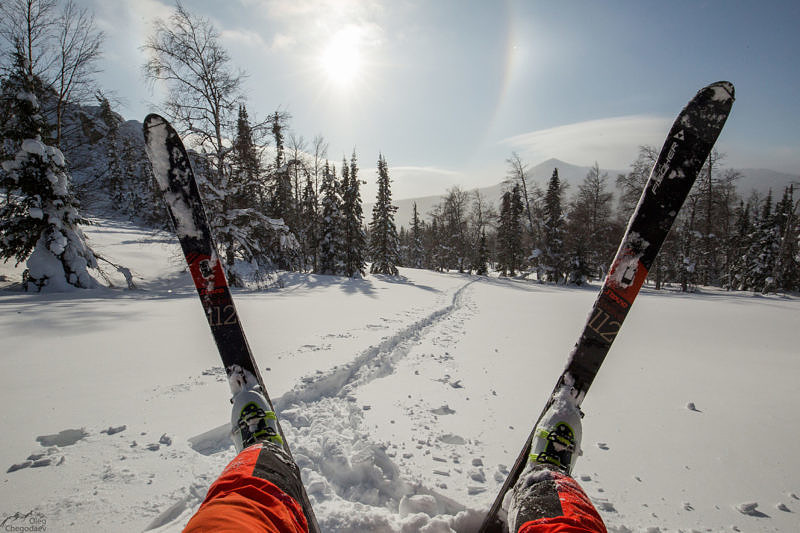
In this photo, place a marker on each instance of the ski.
(687, 146)
(176, 180)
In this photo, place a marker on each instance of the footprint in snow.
(449, 438)
(692, 407)
(783, 507)
(750, 509)
(606, 506)
(38, 460)
(603, 446)
(67, 437)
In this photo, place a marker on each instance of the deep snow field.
(404, 399)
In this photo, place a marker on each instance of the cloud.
(613, 142)
(144, 11)
(243, 37)
(281, 41)
(309, 22)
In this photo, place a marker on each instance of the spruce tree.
(282, 201)
(552, 257)
(481, 264)
(353, 220)
(384, 245)
(509, 233)
(764, 249)
(416, 249)
(786, 271)
(39, 219)
(737, 247)
(331, 248)
(246, 163)
(588, 241)
(114, 178)
(309, 232)
(515, 243)
(243, 231)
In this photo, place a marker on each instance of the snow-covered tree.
(114, 180)
(242, 229)
(737, 244)
(590, 239)
(39, 218)
(384, 243)
(551, 258)
(764, 249)
(353, 220)
(787, 265)
(481, 262)
(509, 233)
(308, 232)
(416, 251)
(518, 175)
(282, 199)
(331, 246)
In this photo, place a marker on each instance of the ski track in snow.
(373, 363)
(342, 468)
(340, 462)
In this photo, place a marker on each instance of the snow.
(30, 97)
(404, 400)
(723, 91)
(34, 147)
(56, 156)
(159, 156)
(157, 152)
(43, 263)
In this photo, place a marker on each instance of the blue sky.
(447, 89)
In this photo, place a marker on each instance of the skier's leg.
(260, 489)
(257, 492)
(546, 500)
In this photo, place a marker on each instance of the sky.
(446, 90)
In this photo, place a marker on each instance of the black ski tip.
(723, 90)
(153, 120)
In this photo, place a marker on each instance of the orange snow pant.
(246, 497)
(557, 504)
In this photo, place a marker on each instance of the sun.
(341, 59)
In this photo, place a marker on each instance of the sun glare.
(341, 59)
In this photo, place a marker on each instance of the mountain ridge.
(758, 180)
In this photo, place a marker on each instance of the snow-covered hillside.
(404, 399)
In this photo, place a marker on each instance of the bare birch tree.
(62, 49)
(203, 88)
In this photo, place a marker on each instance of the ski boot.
(254, 428)
(252, 420)
(545, 483)
(557, 437)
